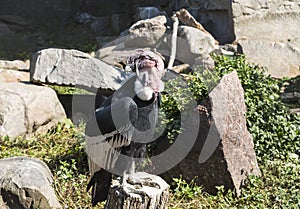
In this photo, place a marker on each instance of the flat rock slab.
(74, 68)
(14, 65)
(13, 75)
(26, 183)
(26, 109)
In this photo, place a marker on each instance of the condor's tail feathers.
(100, 183)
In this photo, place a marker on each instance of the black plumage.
(122, 127)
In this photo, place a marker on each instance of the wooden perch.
(140, 191)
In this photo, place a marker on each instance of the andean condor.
(124, 123)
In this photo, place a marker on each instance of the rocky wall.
(31, 25)
(268, 34)
(268, 27)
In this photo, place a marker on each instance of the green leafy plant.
(184, 190)
(276, 137)
(276, 133)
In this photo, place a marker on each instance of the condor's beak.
(144, 78)
(142, 86)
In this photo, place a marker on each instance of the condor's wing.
(110, 128)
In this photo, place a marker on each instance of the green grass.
(63, 151)
(62, 148)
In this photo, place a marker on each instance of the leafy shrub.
(276, 133)
(184, 190)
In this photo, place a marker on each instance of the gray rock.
(75, 68)
(268, 34)
(205, 62)
(153, 34)
(26, 183)
(193, 43)
(14, 65)
(223, 153)
(145, 33)
(27, 109)
(262, 23)
(281, 60)
(214, 15)
(13, 75)
(115, 55)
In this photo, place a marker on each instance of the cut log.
(140, 191)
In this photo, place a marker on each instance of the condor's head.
(149, 68)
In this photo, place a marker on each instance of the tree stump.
(139, 191)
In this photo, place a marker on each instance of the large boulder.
(193, 43)
(154, 34)
(14, 65)
(146, 34)
(14, 71)
(26, 109)
(268, 33)
(214, 15)
(281, 59)
(13, 75)
(223, 153)
(26, 183)
(75, 68)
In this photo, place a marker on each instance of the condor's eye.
(142, 57)
(150, 58)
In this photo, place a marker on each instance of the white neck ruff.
(144, 93)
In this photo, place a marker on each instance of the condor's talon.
(135, 183)
(139, 183)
